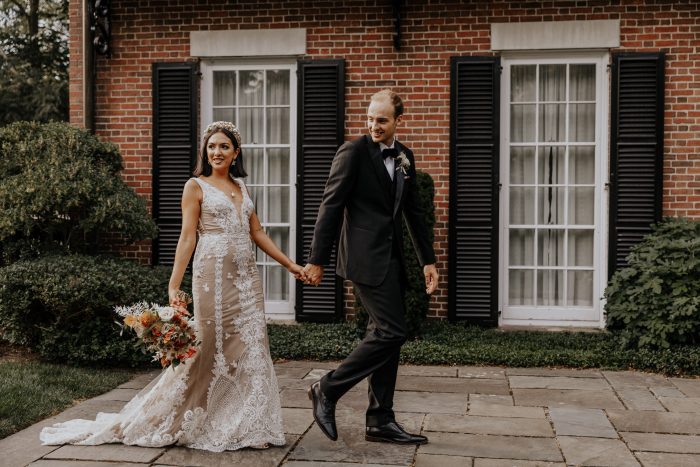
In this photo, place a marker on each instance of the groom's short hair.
(394, 98)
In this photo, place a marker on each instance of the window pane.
(278, 126)
(278, 165)
(552, 83)
(550, 205)
(522, 165)
(580, 248)
(552, 122)
(521, 247)
(581, 207)
(581, 165)
(251, 87)
(551, 165)
(256, 192)
(550, 288)
(550, 247)
(582, 82)
(522, 83)
(278, 207)
(251, 125)
(277, 87)
(253, 163)
(277, 283)
(224, 88)
(280, 237)
(580, 288)
(582, 123)
(520, 284)
(224, 114)
(522, 205)
(522, 123)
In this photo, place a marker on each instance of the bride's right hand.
(172, 295)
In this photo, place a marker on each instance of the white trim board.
(556, 35)
(248, 43)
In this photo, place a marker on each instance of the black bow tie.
(390, 152)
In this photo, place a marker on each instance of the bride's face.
(220, 152)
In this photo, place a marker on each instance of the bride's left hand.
(297, 271)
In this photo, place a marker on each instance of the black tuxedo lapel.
(378, 161)
(398, 176)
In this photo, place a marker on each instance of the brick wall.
(361, 33)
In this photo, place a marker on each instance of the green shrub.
(62, 306)
(416, 301)
(655, 301)
(60, 189)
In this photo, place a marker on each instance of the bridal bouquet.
(167, 331)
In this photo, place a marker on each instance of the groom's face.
(381, 121)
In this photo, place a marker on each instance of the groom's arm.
(341, 181)
(415, 218)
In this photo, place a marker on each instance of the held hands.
(431, 278)
(314, 274)
(297, 271)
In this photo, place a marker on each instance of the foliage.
(62, 306)
(444, 343)
(60, 189)
(33, 60)
(416, 300)
(655, 301)
(32, 391)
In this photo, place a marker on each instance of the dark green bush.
(417, 301)
(655, 301)
(444, 343)
(60, 190)
(62, 306)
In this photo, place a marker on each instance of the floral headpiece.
(224, 125)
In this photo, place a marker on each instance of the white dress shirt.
(389, 161)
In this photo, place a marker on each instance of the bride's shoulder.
(192, 187)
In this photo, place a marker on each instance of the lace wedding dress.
(227, 396)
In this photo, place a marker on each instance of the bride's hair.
(204, 168)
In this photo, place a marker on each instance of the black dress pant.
(377, 356)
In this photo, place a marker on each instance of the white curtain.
(561, 179)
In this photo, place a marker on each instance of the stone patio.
(474, 416)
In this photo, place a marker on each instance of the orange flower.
(130, 320)
(148, 318)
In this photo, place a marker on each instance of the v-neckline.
(239, 208)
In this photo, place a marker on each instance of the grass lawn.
(31, 391)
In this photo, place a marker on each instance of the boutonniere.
(403, 163)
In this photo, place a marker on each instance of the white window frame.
(278, 310)
(565, 316)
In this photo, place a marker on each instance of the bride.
(226, 397)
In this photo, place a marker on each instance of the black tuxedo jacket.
(359, 194)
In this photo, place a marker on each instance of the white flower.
(166, 313)
(404, 163)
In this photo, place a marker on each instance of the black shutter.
(636, 151)
(174, 149)
(473, 229)
(321, 131)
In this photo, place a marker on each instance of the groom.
(371, 186)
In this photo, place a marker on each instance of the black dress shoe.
(324, 411)
(392, 432)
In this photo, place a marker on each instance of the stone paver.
(636, 398)
(581, 422)
(515, 463)
(473, 416)
(457, 385)
(602, 399)
(681, 404)
(665, 459)
(488, 425)
(433, 460)
(184, 457)
(596, 452)
(684, 444)
(433, 402)
(492, 446)
(689, 387)
(557, 382)
(655, 422)
(107, 452)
